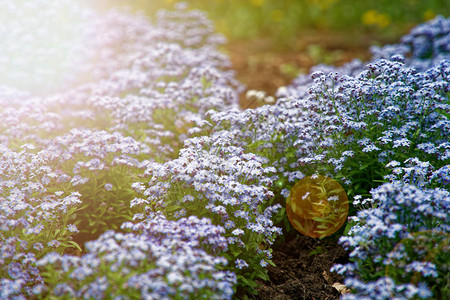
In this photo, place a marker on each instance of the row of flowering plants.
(73, 153)
(382, 130)
(145, 180)
(392, 123)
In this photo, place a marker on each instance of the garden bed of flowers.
(134, 174)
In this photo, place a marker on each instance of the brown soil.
(263, 64)
(302, 271)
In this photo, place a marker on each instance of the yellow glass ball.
(317, 206)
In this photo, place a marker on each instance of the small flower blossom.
(240, 264)
(238, 232)
(108, 187)
(38, 246)
(285, 193)
(188, 198)
(72, 228)
(54, 244)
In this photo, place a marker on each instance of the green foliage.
(285, 19)
(102, 209)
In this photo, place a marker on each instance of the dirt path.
(262, 65)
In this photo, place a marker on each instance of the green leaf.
(299, 225)
(172, 208)
(226, 256)
(318, 250)
(72, 244)
(126, 217)
(322, 226)
(444, 113)
(236, 252)
(247, 282)
(262, 275)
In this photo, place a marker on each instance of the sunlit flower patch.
(138, 176)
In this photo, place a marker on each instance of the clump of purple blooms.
(400, 246)
(35, 216)
(143, 82)
(101, 167)
(390, 122)
(141, 145)
(386, 113)
(423, 48)
(156, 259)
(214, 179)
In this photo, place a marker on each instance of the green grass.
(285, 19)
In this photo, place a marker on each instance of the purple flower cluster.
(97, 163)
(388, 121)
(34, 213)
(388, 113)
(423, 47)
(384, 112)
(212, 178)
(158, 259)
(399, 248)
(279, 133)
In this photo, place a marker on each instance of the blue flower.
(240, 264)
(54, 243)
(72, 228)
(108, 186)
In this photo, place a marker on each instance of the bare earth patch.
(302, 270)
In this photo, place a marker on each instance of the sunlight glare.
(43, 44)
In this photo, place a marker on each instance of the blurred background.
(270, 42)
